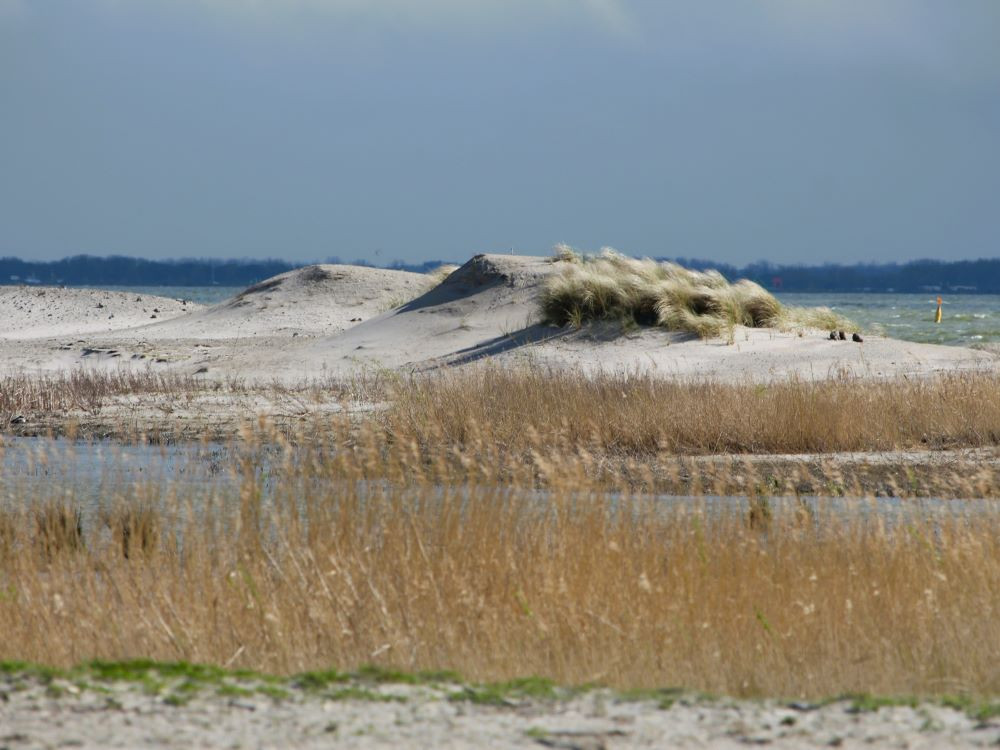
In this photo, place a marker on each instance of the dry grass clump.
(326, 568)
(58, 529)
(611, 286)
(84, 390)
(135, 527)
(133, 404)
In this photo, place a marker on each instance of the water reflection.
(88, 474)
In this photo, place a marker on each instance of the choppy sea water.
(966, 320)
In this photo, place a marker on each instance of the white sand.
(336, 320)
(129, 716)
(31, 312)
(315, 300)
(487, 311)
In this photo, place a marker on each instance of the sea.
(971, 320)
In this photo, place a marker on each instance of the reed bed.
(643, 416)
(82, 393)
(86, 390)
(337, 548)
(648, 292)
(615, 416)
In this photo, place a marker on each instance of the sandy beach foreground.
(335, 321)
(57, 714)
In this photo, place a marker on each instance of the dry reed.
(123, 403)
(614, 417)
(643, 416)
(87, 390)
(353, 548)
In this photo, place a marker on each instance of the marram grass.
(611, 286)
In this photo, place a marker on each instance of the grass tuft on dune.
(442, 272)
(611, 286)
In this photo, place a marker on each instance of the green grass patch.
(977, 709)
(664, 698)
(866, 703)
(234, 691)
(502, 693)
(354, 693)
(139, 669)
(25, 669)
(179, 682)
(274, 693)
(319, 680)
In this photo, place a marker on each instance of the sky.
(793, 131)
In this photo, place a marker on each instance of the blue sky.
(787, 130)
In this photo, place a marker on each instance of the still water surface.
(90, 474)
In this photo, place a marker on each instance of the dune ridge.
(334, 321)
(320, 299)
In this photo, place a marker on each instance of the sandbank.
(324, 322)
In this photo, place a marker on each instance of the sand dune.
(335, 321)
(319, 299)
(471, 314)
(487, 311)
(29, 312)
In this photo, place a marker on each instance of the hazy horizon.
(389, 262)
(834, 131)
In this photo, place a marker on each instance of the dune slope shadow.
(533, 334)
(481, 274)
(486, 307)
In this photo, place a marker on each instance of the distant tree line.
(963, 276)
(969, 276)
(117, 270)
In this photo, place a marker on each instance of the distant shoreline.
(126, 287)
(920, 276)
